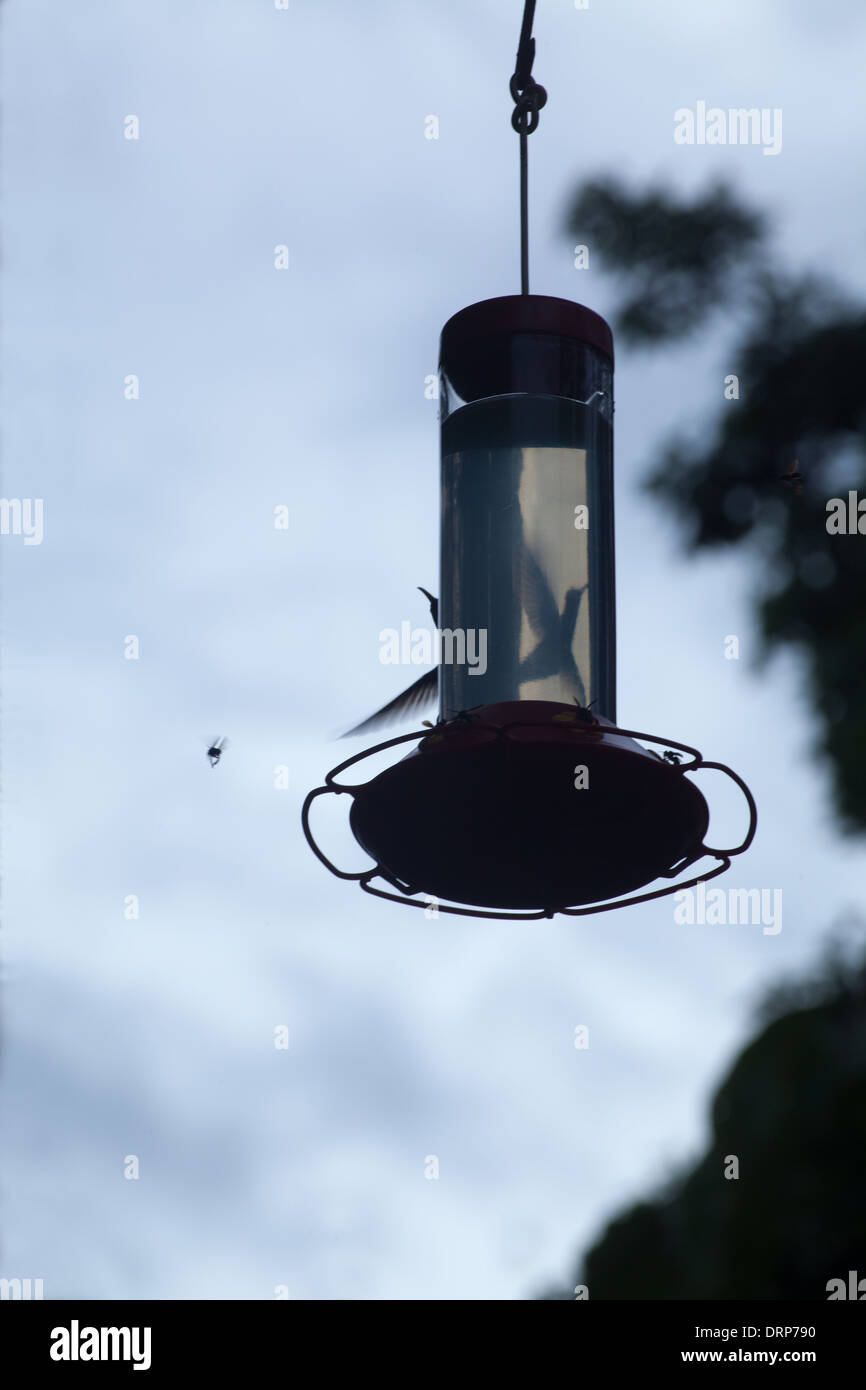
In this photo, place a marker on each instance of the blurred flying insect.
(792, 476)
(216, 750)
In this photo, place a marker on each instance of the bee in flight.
(216, 750)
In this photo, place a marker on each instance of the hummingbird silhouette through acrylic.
(421, 693)
(553, 654)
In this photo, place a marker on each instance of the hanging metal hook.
(526, 93)
(528, 99)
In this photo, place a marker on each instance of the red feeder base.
(529, 805)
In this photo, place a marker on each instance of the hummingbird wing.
(434, 604)
(537, 600)
(421, 693)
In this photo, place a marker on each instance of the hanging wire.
(528, 99)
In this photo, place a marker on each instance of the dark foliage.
(801, 365)
(760, 476)
(792, 1109)
(674, 260)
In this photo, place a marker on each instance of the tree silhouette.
(798, 348)
(792, 1109)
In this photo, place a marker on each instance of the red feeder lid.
(524, 313)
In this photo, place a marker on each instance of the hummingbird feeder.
(526, 799)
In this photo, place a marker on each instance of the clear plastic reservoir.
(527, 600)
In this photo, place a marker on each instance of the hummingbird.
(553, 655)
(421, 693)
(216, 750)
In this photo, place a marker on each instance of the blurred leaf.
(675, 260)
(792, 1109)
(801, 368)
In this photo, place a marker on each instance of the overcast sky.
(154, 1036)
